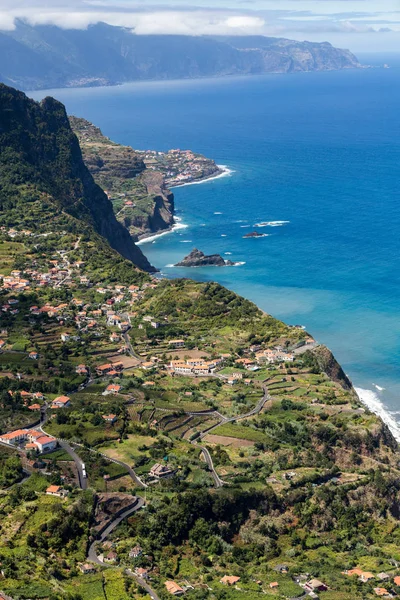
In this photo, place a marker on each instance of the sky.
(360, 25)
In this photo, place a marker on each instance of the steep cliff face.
(160, 213)
(142, 202)
(39, 149)
(329, 365)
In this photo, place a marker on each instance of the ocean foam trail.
(178, 225)
(271, 224)
(375, 405)
(378, 387)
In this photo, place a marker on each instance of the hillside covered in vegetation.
(168, 437)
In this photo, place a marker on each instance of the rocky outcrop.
(142, 202)
(329, 365)
(198, 259)
(254, 234)
(38, 148)
(160, 214)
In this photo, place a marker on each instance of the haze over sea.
(320, 150)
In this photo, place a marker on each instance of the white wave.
(239, 263)
(227, 252)
(241, 221)
(375, 405)
(185, 241)
(271, 224)
(378, 387)
(245, 226)
(223, 234)
(178, 225)
(218, 213)
(170, 265)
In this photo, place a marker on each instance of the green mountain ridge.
(38, 150)
(48, 57)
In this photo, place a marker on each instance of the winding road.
(92, 555)
(206, 454)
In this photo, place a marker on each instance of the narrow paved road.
(65, 446)
(207, 456)
(92, 556)
(251, 413)
(78, 462)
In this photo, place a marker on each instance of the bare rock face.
(198, 259)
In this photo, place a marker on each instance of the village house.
(61, 402)
(229, 579)
(179, 366)
(81, 370)
(45, 443)
(110, 418)
(104, 369)
(113, 388)
(274, 585)
(111, 557)
(366, 576)
(33, 355)
(173, 588)
(160, 471)
(176, 343)
(141, 572)
(382, 592)
(135, 552)
(56, 490)
(315, 585)
(87, 568)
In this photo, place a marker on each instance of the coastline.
(372, 401)
(224, 171)
(153, 236)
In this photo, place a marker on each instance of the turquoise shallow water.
(320, 150)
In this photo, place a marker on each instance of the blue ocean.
(317, 155)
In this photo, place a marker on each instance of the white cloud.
(347, 23)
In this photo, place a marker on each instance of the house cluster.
(14, 282)
(29, 439)
(273, 355)
(195, 366)
(30, 399)
(109, 369)
(368, 577)
(178, 166)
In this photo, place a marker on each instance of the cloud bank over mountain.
(358, 24)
